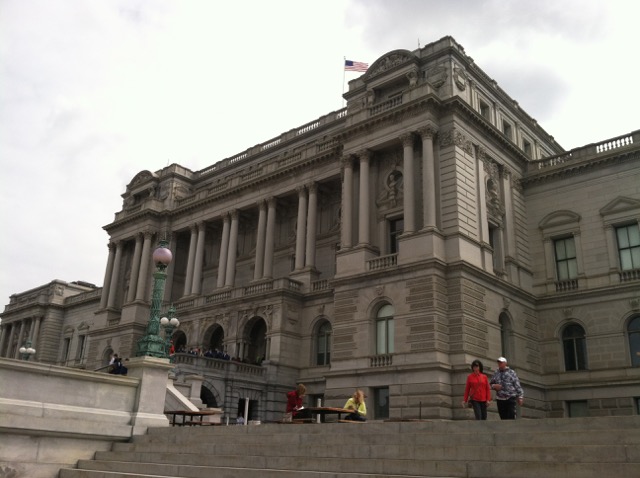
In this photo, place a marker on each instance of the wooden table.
(324, 411)
(196, 417)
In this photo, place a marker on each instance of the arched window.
(257, 343)
(323, 344)
(634, 340)
(385, 330)
(575, 347)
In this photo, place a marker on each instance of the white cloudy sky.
(94, 91)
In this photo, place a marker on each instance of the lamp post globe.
(27, 350)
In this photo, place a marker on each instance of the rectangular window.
(506, 129)
(629, 246)
(578, 408)
(81, 344)
(396, 228)
(381, 403)
(526, 147)
(495, 243)
(65, 350)
(485, 111)
(566, 261)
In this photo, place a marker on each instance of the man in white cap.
(508, 390)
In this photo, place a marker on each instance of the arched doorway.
(256, 338)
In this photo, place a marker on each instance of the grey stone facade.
(383, 246)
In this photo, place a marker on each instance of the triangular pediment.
(620, 204)
(559, 218)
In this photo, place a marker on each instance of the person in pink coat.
(477, 392)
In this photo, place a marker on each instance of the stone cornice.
(587, 165)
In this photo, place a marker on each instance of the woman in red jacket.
(295, 406)
(477, 391)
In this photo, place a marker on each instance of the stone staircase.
(568, 448)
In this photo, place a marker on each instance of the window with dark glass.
(396, 227)
(323, 344)
(566, 261)
(385, 330)
(381, 403)
(629, 246)
(575, 348)
(634, 340)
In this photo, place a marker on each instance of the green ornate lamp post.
(169, 324)
(152, 344)
(27, 350)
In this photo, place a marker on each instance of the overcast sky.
(94, 91)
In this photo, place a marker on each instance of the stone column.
(409, 202)
(270, 238)
(196, 287)
(107, 275)
(233, 247)
(301, 227)
(260, 240)
(135, 269)
(3, 338)
(312, 218)
(115, 276)
(510, 245)
(364, 206)
(224, 251)
(347, 203)
(428, 177)
(20, 340)
(193, 244)
(483, 168)
(168, 287)
(36, 333)
(145, 258)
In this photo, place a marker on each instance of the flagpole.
(344, 62)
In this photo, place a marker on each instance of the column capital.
(234, 214)
(112, 245)
(406, 139)
(346, 161)
(364, 155)
(428, 131)
(271, 201)
(312, 187)
(301, 190)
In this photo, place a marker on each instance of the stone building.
(383, 246)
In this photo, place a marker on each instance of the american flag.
(355, 66)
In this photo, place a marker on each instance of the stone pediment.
(141, 178)
(559, 218)
(620, 204)
(389, 61)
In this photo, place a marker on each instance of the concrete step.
(576, 448)
(507, 436)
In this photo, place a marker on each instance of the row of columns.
(17, 333)
(305, 251)
(409, 201)
(139, 271)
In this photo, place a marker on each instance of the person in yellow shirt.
(356, 403)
